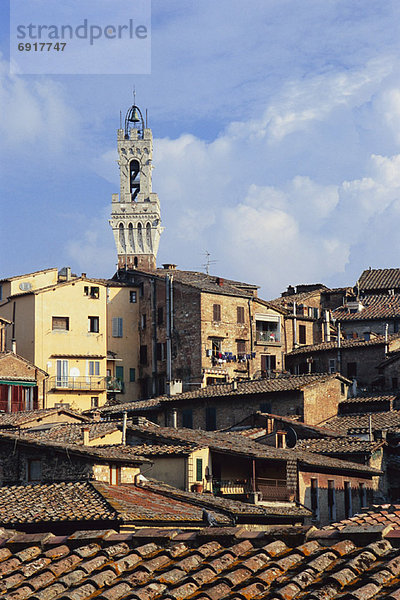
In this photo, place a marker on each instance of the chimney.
(96, 416)
(169, 266)
(13, 346)
(83, 275)
(174, 415)
(124, 422)
(85, 432)
(234, 385)
(220, 281)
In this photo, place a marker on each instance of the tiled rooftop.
(378, 279)
(213, 564)
(117, 453)
(359, 423)
(18, 419)
(332, 446)
(259, 386)
(72, 433)
(349, 343)
(39, 503)
(375, 307)
(233, 443)
(384, 514)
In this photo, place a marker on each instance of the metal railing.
(273, 489)
(231, 487)
(68, 382)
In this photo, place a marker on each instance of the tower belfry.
(135, 214)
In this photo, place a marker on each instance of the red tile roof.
(379, 279)
(348, 343)
(214, 564)
(375, 307)
(378, 514)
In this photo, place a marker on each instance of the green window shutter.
(132, 375)
(199, 469)
(119, 373)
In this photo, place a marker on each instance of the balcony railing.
(67, 382)
(268, 337)
(271, 489)
(114, 385)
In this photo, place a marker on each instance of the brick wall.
(321, 401)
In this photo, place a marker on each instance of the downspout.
(254, 476)
(154, 336)
(339, 360)
(327, 327)
(386, 339)
(13, 341)
(169, 323)
(251, 336)
(294, 325)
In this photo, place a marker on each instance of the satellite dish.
(291, 437)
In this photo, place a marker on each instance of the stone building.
(354, 358)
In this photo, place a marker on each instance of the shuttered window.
(117, 327)
(61, 323)
(216, 312)
(240, 314)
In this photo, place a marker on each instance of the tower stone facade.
(135, 214)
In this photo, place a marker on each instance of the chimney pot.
(85, 432)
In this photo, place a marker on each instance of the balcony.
(267, 337)
(114, 385)
(68, 383)
(270, 489)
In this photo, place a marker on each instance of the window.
(117, 327)
(161, 350)
(160, 315)
(94, 367)
(211, 418)
(241, 346)
(143, 321)
(86, 290)
(302, 334)
(281, 439)
(332, 365)
(351, 370)
(94, 292)
(363, 495)
(216, 346)
(216, 312)
(240, 314)
(133, 297)
(347, 500)
(60, 323)
(187, 418)
(268, 329)
(115, 475)
(62, 373)
(268, 362)
(342, 389)
(132, 375)
(34, 469)
(314, 499)
(331, 500)
(94, 402)
(119, 373)
(93, 324)
(199, 469)
(143, 355)
(141, 290)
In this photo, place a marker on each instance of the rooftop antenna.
(208, 262)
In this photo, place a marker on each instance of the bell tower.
(135, 213)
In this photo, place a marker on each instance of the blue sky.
(277, 145)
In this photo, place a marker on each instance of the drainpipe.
(327, 326)
(13, 341)
(338, 347)
(370, 428)
(254, 475)
(124, 422)
(9, 392)
(294, 326)
(154, 335)
(169, 323)
(386, 339)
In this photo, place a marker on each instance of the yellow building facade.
(64, 326)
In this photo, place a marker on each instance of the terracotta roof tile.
(374, 307)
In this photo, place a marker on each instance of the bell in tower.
(135, 214)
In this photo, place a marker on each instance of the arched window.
(122, 237)
(148, 237)
(140, 236)
(130, 238)
(134, 178)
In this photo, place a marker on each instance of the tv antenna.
(208, 262)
